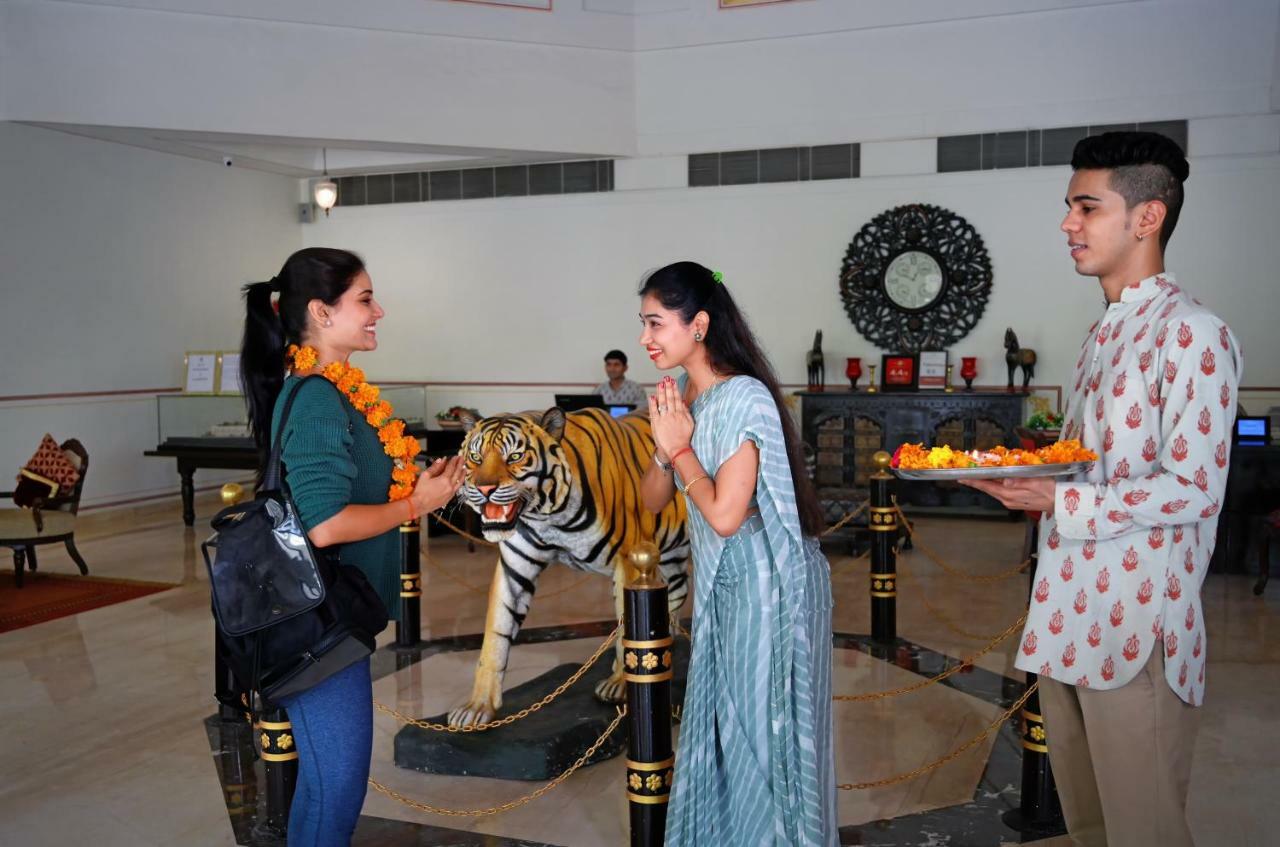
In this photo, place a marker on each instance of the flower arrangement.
(365, 397)
(916, 457)
(1045, 420)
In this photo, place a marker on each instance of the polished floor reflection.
(107, 738)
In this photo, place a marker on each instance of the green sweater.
(332, 457)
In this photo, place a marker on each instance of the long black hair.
(688, 288)
(314, 273)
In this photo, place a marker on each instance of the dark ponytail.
(688, 288)
(315, 273)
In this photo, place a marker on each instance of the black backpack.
(288, 615)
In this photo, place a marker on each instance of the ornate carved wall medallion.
(916, 278)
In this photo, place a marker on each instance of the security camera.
(226, 160)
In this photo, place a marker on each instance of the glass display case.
(192, 420)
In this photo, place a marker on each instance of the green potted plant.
(1048, 423)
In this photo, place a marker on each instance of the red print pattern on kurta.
(1124, 555)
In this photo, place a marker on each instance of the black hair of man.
(616, 354)
(1144, 166)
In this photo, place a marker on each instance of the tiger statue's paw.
(612, 690)
(472, 713)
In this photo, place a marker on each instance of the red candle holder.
(853, 370)
(968, 371)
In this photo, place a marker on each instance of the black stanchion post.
(280, 760)
(409, 627)
(647, 658)
(883, 523)
(1039, 807)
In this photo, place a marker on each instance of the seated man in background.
(618, 390)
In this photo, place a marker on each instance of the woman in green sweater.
(341, 465)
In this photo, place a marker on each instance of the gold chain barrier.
(840, 523)
(954, 669)
(954, 754)
(514, 804)
(938, 614)
(959, 574)
(440, 519)
(509, 719)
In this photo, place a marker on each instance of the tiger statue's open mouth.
(500, 517)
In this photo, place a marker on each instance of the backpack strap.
(271, 477)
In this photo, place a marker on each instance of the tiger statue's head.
(515, 467)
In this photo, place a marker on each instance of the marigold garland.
(917, 457)
(366, 398)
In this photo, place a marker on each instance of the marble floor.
(104, 713)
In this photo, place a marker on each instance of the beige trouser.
(1122, 759)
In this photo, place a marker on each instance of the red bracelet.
(409, 502)
(681, 452)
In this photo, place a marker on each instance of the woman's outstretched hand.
(438, 484)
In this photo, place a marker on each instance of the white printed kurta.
(1125, 552)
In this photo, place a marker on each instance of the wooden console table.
(846, 428)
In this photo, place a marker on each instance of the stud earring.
(697, 336)
(328, 322)
(1140, 237)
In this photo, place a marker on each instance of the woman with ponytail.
(755, 762)
(339, 476)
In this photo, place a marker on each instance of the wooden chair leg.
(76, 557)
(19, 556)
(31, 558)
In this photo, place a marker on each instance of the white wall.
(116, 260)
(536, 289)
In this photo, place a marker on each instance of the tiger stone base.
(539, 747)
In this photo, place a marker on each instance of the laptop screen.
(1253, 429)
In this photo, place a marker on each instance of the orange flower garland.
(365, 397)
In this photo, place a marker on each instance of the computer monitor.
(574, 402)
(620, 409)
(1253, 430)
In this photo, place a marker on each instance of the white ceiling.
(304, 157)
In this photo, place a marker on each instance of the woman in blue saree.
(754, 765)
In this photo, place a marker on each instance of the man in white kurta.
(1115, 627)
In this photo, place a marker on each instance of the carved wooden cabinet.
(844, 430)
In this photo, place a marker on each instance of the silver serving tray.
(1002, 472)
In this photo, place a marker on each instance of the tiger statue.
(560, 487)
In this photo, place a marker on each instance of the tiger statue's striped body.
(556, 487)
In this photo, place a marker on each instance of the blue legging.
(333, 728)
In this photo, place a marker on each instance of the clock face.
(913, 279)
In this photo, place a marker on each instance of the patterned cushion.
(51, 462)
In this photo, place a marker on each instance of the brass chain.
(474, 538)
(933, 557)
(840, 523)
(954, 669)
(959, 751)
(509, 719)
(937, 613)
(514, 804)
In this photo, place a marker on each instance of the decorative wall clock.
(916, 278)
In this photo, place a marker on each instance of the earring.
(1139, 237)
(328, 322)
(697, 336)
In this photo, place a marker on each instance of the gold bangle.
(692, 482)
